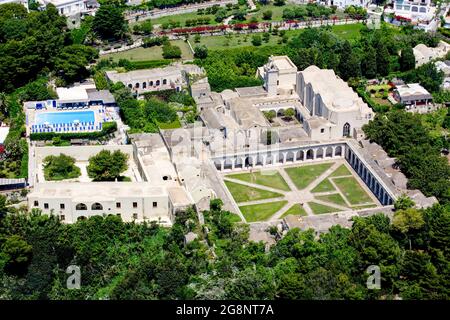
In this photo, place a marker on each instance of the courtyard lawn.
(261, 212)
(304, 175)
(324, 186)
(270, 178)
(153, 53)
(335, 198)
(242, 193)
(341, 171)
(318, 208)
(170, 125)
(295, 210)
(352, 190)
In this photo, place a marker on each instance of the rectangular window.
(135, 216)
(322, 130)
(155, 204)
(62, 217)
(36, 203)
(45, 205)
(62, 206)
(118, 214)
(118, 205)
(134, 204)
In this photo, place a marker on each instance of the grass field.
(268, 178)
(261, 212)
(324, 186)
(304, 175)
(335, 198)
(318, 208)
(243, 193)
(153, 53)
(341, 171)
(295, 210)
(352, 190)
(182, 18)
(350, 31)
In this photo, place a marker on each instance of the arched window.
(130, 86)
(97, 206)
(346, 131)
(144, 85)
(150, 83)
(157, 82)
(164, 81)
(81, 206)
(137, 85)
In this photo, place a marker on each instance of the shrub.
(171, 52)
(256, 40)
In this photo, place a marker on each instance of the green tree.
(60, 167)
(406, 221)
(370, 63)
(289, 113)
(109, 22)
(71, 63)
(270, 115)
(201, 52)
(403, 202)
(383, 59)
(17, 253)
(279, 2)
(407, 59)
(3, 208)
(107, 166)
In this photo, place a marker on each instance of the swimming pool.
(64, 117)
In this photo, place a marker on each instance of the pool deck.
(101, 114)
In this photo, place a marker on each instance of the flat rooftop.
(72, 94)
(103, 191)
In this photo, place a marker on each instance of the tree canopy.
(107, 165)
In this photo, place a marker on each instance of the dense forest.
(35, 47)
(403, 136)
(144, 261)
(374, 54)
(35, 43)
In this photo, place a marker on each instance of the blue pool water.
(64, 117)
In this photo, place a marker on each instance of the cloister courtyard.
(310, 189)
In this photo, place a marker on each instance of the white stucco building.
(67, 7)
(342, 4)
(157, 79)
(334, 109)
(279, 74)
(414, 9)
(424, 54)
(153, 194)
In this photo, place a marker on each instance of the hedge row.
(107, 128)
